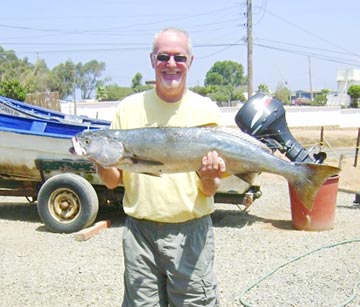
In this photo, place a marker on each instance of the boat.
(23, 141)
(35, 162)
(23, 109)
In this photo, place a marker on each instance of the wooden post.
(341, 159)
(322, 136)
(357, 148)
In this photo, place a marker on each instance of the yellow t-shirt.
(170, 198)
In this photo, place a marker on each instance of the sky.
(301, 44)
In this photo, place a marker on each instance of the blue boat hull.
(22, 109)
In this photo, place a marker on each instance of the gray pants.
(169, 264)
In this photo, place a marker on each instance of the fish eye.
(87, 141)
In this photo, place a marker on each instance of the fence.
(45, 100)
(302, 116)
(299, 116)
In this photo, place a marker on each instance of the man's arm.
(111, 177)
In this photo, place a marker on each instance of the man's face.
(171, 62)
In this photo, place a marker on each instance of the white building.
(344, 78)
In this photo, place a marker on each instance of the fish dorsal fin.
(238, 133)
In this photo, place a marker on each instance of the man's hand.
(210, 173)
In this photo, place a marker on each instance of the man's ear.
(152, 59)
(191, 60)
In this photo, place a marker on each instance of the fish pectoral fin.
(248, 177)
(152, 174)
(146, 161)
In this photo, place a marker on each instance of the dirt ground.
(340, 146)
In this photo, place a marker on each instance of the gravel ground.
(39, 268)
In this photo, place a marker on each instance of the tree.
(12, 89)
(220, 97)
(354, 93)
(201, 90)
(10, 66)
(321, 98)
(223, 95)
(214, 78)
(13, 74)
(226, 73)
(223, 82)
(136, 80)
(112, 92)
(62, 79)
(36, 79)
(238, 94)
(88, 77)
(263, 88)
(283, 94)
(137, 85)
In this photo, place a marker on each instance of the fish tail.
(308, 184)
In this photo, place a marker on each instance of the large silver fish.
(172, 150)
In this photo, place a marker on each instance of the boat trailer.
(69, 193)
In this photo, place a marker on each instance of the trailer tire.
(67, 203)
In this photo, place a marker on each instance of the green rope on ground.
(244, 303)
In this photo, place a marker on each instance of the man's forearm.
(111, 177)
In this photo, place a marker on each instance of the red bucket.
(322, 214)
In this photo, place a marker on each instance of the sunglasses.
(163, 57)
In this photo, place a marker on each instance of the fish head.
(98, 147)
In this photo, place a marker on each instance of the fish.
(156, 151)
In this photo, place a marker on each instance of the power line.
(141, 25)
(224, 46)
(311, 33)
(312, 54)
(307, 47)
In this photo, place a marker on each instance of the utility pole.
(311, 91)
(74, 91)
(249, 49)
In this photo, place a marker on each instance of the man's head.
(171, 58)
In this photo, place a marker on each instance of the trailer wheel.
(67, 203)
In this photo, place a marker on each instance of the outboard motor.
(263, 117)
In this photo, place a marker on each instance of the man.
(168, 237)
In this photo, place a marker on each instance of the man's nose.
(172, 61)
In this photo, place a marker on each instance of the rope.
(351, 298)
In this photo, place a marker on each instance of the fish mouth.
(72, 150)
(76, 149)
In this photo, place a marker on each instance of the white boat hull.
(19, 153)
